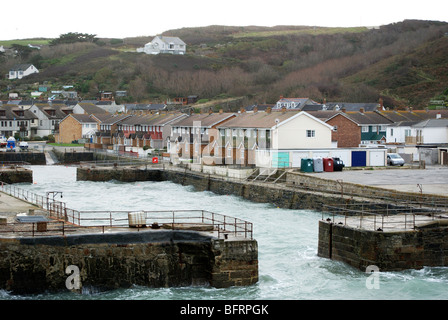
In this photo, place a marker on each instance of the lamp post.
(54, 193)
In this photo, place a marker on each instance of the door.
(376, 158)
(280, 160)
(358, 158)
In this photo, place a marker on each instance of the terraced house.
(150, 130)
(15, 121)
(351, 129)
(191, 137)
(49, 116)
(75, 127)
(270, 138)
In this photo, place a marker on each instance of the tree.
(73, 37)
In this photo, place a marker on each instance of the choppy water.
(289, 268)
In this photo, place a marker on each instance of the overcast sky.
(129, 18)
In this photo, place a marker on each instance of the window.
(335, 128)
(364, 129)
(391, 132)
(375, 129)
(310, 133)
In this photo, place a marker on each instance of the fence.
(381, 218)
(223, 225)
(174, 219)
(34, 229)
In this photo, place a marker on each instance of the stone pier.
(426, 245)
(153, 258)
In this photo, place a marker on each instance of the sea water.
(289, 268)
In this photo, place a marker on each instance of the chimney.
(221, 111)
(381, 103)
(255, 109)
(210, 111)
(343, 110)
(283, 110)
(281, 97)
(268, 110)
(242, 110)
(361, 110)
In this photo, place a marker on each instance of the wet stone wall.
(389, 251)
(109, 261)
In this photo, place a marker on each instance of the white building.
(162, 44)
(431, 131)
(22, 70)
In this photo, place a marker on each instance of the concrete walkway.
(432, 180)
(10, 206)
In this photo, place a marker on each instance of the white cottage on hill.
(162, 44)
(21, 70)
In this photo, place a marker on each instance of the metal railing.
(57, 210)
(34, 229)
(385, 218)
(174, 219)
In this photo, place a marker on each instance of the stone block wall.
(16, 175)
(109, 261)
(389, 251)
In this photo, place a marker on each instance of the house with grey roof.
(21, 70)
(49, 116)
(144, 107)
(293, 103)
(163, 44)
(431, 131)
(88, 108)
(15, 121)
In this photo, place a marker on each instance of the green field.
(24, 42)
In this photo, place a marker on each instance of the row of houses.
(247, 137)
(31, 118)
(230, 137)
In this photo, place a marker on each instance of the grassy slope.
(412, 78)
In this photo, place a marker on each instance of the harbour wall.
(263, 193)
(299, 192)
(37, 158)
(156, 258)
(427, 245)
(15, 175)
(411, 249)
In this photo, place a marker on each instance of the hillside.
(404, 63)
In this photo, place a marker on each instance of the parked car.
(23, 145)
(394, 159)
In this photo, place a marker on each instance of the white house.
(261, 137)
(430, 131)
(22, 70)
(293, 103)
(162, 44)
